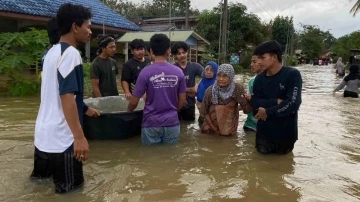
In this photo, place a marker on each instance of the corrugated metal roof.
(48, 8)
(158, 28)
(174, 36)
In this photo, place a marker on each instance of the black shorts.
(66, 171)
(187, 114)
(350, 94)
(274, 147)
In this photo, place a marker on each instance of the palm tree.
(355, 8)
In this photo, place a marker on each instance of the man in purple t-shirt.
(165, 88)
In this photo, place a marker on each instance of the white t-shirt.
(62, 71)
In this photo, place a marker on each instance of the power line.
(256, 8)
(257, 2)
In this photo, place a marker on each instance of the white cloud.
(330, 15)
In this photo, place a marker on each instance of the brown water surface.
(324, 165)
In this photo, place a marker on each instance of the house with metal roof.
(194, 40)
(19, 15)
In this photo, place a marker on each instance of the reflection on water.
(323, 167)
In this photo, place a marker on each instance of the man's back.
(162, 83)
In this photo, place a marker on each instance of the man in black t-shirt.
(191, 70)
(276, 99)
(104, 70)
(132, 68)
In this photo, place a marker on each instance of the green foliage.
(206, 57)
(244, 28)
(312, 41)
(283, 30)
(87, 79)
(291, 61)
(344, 44)
(23, 87)
(150, 9)
(18, 51)
(238, 69)
(355, 8)
(245, 58)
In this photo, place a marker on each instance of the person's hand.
(191, 92)
(144, 97)
(279, 101)
(81, 149)
(92, 112)
(198, 105)
(248, 97)
(216, 131)
(128, 95)
(261, 114)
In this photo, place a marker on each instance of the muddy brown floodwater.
(324, 165)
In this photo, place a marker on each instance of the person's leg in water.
(350, 94)
(187, 114)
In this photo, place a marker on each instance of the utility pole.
(224, 31)
(187, 14)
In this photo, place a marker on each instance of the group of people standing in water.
(170, 92)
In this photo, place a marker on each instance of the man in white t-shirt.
(60, 144)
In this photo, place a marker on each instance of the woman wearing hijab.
(352, 83)
(220, 105)
(208, 79)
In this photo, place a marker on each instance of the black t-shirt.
(190, 72)
(282, 119)
(132, 69)
(105, 70)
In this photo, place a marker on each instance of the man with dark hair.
(132, 68)
(190, 70)
(53, 31)
(60, 144)
(104, 70)
(152, 57)
(53, 34)
(277, 98)
(165, 88)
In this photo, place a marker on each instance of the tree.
(342, 45)
(329, 40)
(283, 30)
(355, 8)
(311, 39)
(150, 9)
(21, 50)
(244, 29)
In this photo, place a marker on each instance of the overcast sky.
(330, 15)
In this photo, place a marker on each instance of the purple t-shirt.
(162, 83)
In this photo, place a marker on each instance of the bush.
(291, 61)
(87, 80)
(238, 69)
(23, 87)
(206, 57)
(18, 51)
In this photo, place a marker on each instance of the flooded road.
(324, 165)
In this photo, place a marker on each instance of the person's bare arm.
(133, 103)
(96, 89)
(81, 146)
(126, 87)
(191, 92)
(182, 101)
